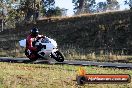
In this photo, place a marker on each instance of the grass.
(79, 15)
(14, 75)
(72, 54)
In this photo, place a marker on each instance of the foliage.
(90, 6)
(101, 7)
(128, 2)
(43, 10)
(9, 14)
(113, 5)
(18, 10)
(49, 4)
(83, 6)
(46, 7)
(53, 12)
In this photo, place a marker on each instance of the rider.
(31, 50)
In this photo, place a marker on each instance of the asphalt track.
(69, 62)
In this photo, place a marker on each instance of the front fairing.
(49, 43)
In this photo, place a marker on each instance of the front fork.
(53, 53)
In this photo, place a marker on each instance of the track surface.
(69, 62)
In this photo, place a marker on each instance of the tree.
(53, 12)
(48, 7)
(48, 4)
(113, 5)
(34, 7)
(29, 7)
(128, 2)
(58, 11)
(83, 6)
(3, 7)
(79, 4)
(8, 13)
(101, 7)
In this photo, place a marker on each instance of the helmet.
(34, 31)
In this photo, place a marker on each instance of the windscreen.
(45, 40)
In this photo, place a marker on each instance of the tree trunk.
(81, 5)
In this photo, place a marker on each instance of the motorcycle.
(47, 48)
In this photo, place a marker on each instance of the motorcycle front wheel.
(58, 56)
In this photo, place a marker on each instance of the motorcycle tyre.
(58, 53)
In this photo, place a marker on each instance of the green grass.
(14, 75)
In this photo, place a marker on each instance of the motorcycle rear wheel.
(32, 57)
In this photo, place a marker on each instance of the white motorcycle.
(48, 48)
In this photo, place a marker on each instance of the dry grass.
(49, 76)
(76, 54)
(80, 15)
(72, 54)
